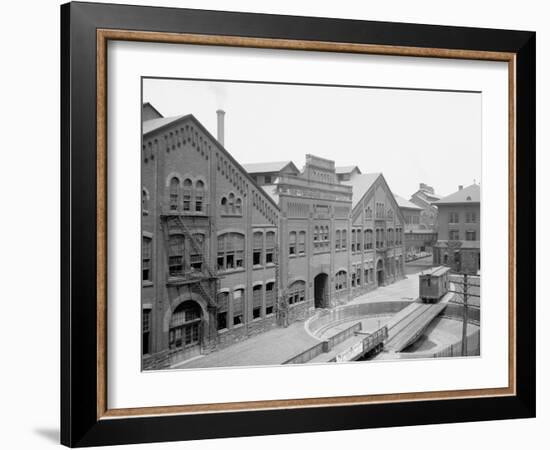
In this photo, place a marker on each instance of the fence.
(324, 346)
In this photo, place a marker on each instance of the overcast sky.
(410, 136)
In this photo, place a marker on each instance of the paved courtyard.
(280, 344)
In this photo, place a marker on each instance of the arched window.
(176, 245)
(185, 325)
(230, 251)
(341, 280)
(269, 297)
(231, 204)
(196, 255)
(316, 237)
(238, 206)
(257, 248)
(353, 240)
(174, 193)
(257, 294)
(187, 192)
(144, 202)
(224, 205)
(326, 237)
(337, 241)
(297, 292)
(302, 243)
(368, 213)
(344, 239)
(199, 196)
(292, 243)
(223, 307)
(269, 247)
(238, 306)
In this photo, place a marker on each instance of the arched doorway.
(185, 331)
(380, 272)
(320, 287)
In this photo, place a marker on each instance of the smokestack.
(221, 125)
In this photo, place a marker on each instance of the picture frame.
(86, 418)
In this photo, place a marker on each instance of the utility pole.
(465, 317)
(465, 295)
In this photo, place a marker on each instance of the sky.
(410, 136)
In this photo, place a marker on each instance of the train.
(434, 284)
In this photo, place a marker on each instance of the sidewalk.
(280, 344)
(270, 348)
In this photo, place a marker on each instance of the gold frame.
(104, 35)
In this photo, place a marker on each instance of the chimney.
(221, 125)
(460, 187)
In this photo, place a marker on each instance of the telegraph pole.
(465, 318)
(465, 295)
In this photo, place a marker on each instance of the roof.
(436, 271)
(154, 124)
(271, 190)
(346, 169)
(428, 195)
(403, 203)
(470, 194)
(361, 184)
(263, 167)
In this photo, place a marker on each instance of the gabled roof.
(361, 184)
(346, 169)
(403, 203)
(155, 125)
(427, 195)
(150, 112)
(470, 194)
(265, 167)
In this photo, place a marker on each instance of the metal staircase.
(203, 281)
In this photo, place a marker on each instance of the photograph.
(291, 223)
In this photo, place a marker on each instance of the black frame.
(79, 423)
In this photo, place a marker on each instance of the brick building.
(425, 197)
(418, 237)
(458, 230)
(224, 258)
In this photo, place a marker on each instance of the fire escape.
(197, 275)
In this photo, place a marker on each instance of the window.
(353, 240)
(146, 269)
(359, 245)
(292, 243)
(269, 247)
(302, 243)
(316, 237)
(175, 255)
(199, 196)
(144, 202)
(341, 280)
(230, 251)
(258, 245)
(256, 301)
(368, 213)
(197, 252)
(337, 240)
(174, 194)
(296, 292)
(380, 211)
(390, 237)
(223, 306)
(224, 205)
(453, 235)
(239, 207)
(269, 297)
(187, 191)
(184, 325)
(267, 179)
(238, 306)
(344, 239)
(146, 331)
(368, 239)
(326, 239)
(231, 204)
(453, 217)
(471, 217)
(470, 235)
(358, 271)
